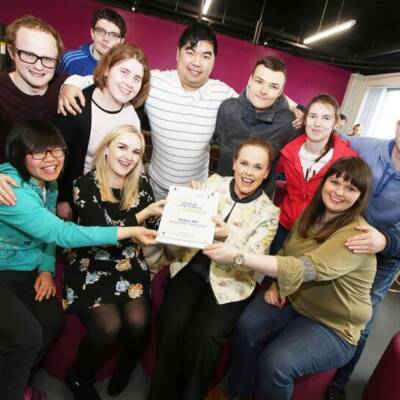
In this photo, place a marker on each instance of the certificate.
(186, 219)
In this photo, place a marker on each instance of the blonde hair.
(37, 24)
(130, 190)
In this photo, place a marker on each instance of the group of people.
(338, 212)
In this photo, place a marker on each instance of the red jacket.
(299, 191)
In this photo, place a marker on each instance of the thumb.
(362, 228)
(216, 219)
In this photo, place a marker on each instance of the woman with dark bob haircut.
(327, 285)
(29, 231)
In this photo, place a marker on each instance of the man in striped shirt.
(182, 109)
(108, 29)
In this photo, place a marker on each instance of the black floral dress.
(106, 274)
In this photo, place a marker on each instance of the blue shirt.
(78, 61)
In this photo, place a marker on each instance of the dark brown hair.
(117, 54)
(272, 63)
(326, 100)
(30, 135)
(256, 142)
(352, 169)
(111, 16)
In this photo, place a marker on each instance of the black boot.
(82, 389)
(120, 378)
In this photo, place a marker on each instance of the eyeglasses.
(102, 32)
(31, 58)
(56, 152)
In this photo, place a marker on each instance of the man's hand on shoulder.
(70, 100)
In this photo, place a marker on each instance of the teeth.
(246, 180)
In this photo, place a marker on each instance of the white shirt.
(104, 121)
(308, 164)
(182, 124)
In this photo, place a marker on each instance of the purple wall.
(159, 38)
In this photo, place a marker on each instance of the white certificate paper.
(186, 219)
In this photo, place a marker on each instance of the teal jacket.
(30, 230)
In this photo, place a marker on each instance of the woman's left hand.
(144, 236)
(156, 209)
(44, 286)
(220, 253)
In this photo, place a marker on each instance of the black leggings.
(27, 328)
(127, 322)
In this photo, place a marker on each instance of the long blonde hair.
(130, 190)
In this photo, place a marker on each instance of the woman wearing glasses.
(29, 231)
(121, 83)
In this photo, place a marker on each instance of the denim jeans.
(385, 274)
(272, 347)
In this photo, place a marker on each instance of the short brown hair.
(272, 63)
(115, 55)
(111, 16)
(326, 100)
(352, 169)
(256, 142)
(31, 22)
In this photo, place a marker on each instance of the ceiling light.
(206, 6)
(329, 32)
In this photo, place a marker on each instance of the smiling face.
(338, 196)
(251, 167)
(124, 81)
(46, 170)
(264, 87)
(320, 122)
(102, 42)
(33, 78)
(194, 64)
(122, 155)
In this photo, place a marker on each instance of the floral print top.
(106, 274)
(252, 228)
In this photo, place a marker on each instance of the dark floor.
(385, 326)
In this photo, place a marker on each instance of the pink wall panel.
(159, 38)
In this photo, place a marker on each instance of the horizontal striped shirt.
(182, 124)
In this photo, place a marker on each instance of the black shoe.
(335, 393)
(82, 389)
(119, 379)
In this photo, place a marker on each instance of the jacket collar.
(247, 199)
(265, 115)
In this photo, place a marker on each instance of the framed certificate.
(186, 220)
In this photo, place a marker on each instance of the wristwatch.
(239, 259)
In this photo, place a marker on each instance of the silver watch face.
(239, 259)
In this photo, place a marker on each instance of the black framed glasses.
(56, 152)
(103, 33)
(31, 58)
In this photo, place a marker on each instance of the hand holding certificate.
(186, 220)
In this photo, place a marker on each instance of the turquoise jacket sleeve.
(48, 262)
(30, 217)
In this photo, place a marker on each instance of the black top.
(106, 274)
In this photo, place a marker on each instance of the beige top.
(339, 296)
(252, 228)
